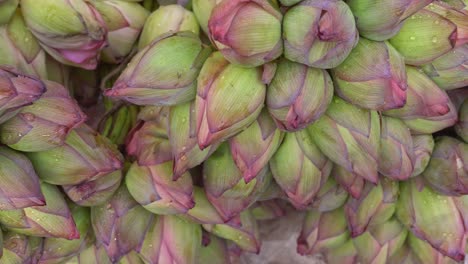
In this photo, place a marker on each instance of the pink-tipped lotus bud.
(423, 145)
(202, 10)
(351, 182)
(330, 196)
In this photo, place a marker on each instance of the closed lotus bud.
(431, 33)
(396, 154)
(183, 139)
(213, 249)
(252, 148)
(247, 32)
(17, 90)
(19, 248)
(229, 98)
(380, 242)
(344, 254)
(322, 231)
(171, 239)
(96, 254)
(59, 250)
(164, 72)
(242, 230)
(300, 168)
(428, 108)
(94, 192)
(351, 182)
(375, 206)
(225, 186)
(325, 35)
(169, 18)
(449, 71)
(298, 95)
(203, 212)
(20, 184)
(447, 171)
(7, 10)
(202, 10)
(381, 20)
(350, 137)
(330, 196)
(86, 155)
(124, 21)
(154, 188)
(424, 253)
(53, 22)
(53, 219)
(422, 147)
(45, 124)
(268, 210)
(376, 80)
(433, 218)
(120, 224)
(462, 126)
(19, 48)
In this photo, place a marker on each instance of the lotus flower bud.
(268, 210)
(380, 242)
(428, 108)
(247, 32)
(351, 182)
(447, 171)
(431, 33)
(229, 98)
(170, 18)
(154, 188)
(45, 124)
(381, 20)
(50, 220)
(225, 187)
(375, 206)
(7, 10)
(20, 184)
(53, 22)
(396, 154)
(343, 254)
(376, 80)
(86, 155)
(298, 95)
(183, 139)
(330, 196)
(252, 148)
(124, 21)
(242, 230)
(164, 72)
(422, 148)
(424, 253)
(19, 48)
(213, 250)
(58, 250)
(300, 169)
(203, 212)
(325, 35)
(462, 126)
(96, 254)
(350, 137)
(17, 90)
(202, 10)
(94, 192)
(120, 224)
(433, 218)
(449, 71)
(322, 231)
(19, 248)
(171, 239)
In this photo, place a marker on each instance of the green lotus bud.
(447, 171)
(19, 249)
(268, 210)
(424, 253)
(96, 254)
(298, 95)
(164, 72)
(213, 249)
(124, 21)
(422, 147)
(300, 168)
(154, 188)
(462, 126)
(202, 10)
(432, 217)
(330, 196)
(344, 254)
(396, 154)
(50, 220)
(246, 32)
(203, 212)
(350, 137)
(86, 155)
(351, 182)
(375, 206)
(376, 80)
(325, 35)
(322, 231)
(169, 18)
(381, 20)
(7, 10)
(229, 98)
